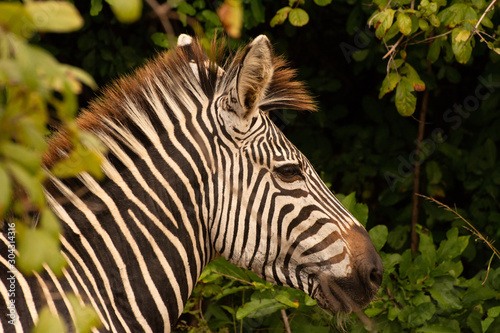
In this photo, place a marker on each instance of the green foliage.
(426, 292)
(447, 51)
(233, 298)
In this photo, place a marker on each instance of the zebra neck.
(139, 235)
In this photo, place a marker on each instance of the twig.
(484, 14)
(393, 47)
(162, 12)
(474, 30)
(471, 228)
(431, 38)
(284, 317)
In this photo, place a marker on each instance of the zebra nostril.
(375, 277)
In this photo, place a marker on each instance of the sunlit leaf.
(85, 316)
(16, 19)
(231, 15)
(126, 11)
(28, 158)
(406, 102)
(36, 247)
(259, 308)
(404, 23)
(383, 21)
(322, 2)
(280, 17)
(461, 45)
(30, 183)
(47, 322)
(298, 17)
(54, 16)
(389, 83)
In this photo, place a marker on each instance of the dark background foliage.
(357, 141)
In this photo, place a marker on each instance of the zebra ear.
(184, 40)
(255, 74)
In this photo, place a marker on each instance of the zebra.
(194, 169)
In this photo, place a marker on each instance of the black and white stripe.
(194, 167)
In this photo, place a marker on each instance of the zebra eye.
(289, 172)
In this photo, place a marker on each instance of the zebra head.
(274, 215)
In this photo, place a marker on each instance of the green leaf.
(95, 7)
(389, 83)
(384, 21)
(444, 292)
(452, 15)
(30, 159)
(259, 308)
(54, 16)
(280, 17)
(453, 246)
(126, 11)
(397, 236)
(50, 223)
(5, 190)
(461, 45)
(322, 2)
(360, 55)
(186, 8)
(220, 265)
(437, 328)
(423, 24)
(211, 17)
(80, 75)
(433, 172)
(160, 39)
(434, 50)
(421, 314)
(85, 316)
(298, 17)
(358, 210)
(287, 299)
(37, 247)
(406, 102)
(494, 311)
(404, 23)
(413, 77)
(15, 18)
(427, 248)
(378, 234)
(474, 321)
(31, 184)
(47, 322)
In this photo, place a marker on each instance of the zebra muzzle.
(356, 290)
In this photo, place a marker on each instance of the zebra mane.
(175, 70)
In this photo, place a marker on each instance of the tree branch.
(416, 172)
(284, 317)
